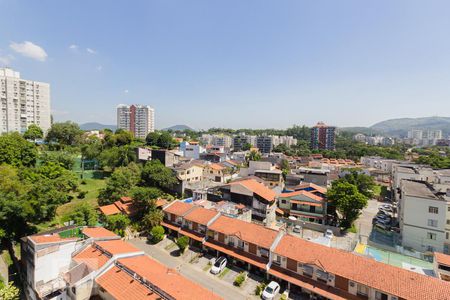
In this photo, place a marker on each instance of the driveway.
(220, 287)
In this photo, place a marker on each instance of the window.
(380, 295)
(447, 236)
(307, 270)
(433, 210)
(362, 290)
(432, 223)
(264, 252)
(322, 275)
(431, 236)
(283, 201)
(448, 222)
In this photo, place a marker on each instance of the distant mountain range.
(178, 128)
(400, 127)
(96, 126)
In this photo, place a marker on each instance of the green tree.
(165, 140)
(152, 138)
(65, 159)
(123, 138)
(363, 182)
(246, 146)
(120, 183)
(117, 223)
(64, 180)
(152, 219)
(347, 200)
(83, 214)
(156, 174)
(143, 198)
(9, 292)
(64, 134)
(33, 133)
(182, 243)
(253, 156)
(16, 151)
(157, 234)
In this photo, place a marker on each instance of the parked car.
(328, 233)
(386, 206)
(219, 265)
(271, 291)
(297, 228)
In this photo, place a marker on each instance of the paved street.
(211, 282)
(364, 222)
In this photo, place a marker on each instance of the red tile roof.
(121, 286)
(249, 232)
(178, 208)
(117, 247)
(50, 238)
(93, 257)
(161, 202)
(441, 258)
(109, 210)
(98, 232)
(387, 278)
(257, 188)
(200, 215)
(217, 167)
(125, 199)
(170, 281)
(302, 192)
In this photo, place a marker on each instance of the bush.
(182, 243)
(283, 297)
(260, 288)
(83, 182)
(157, 233)
(82, 194)
(239, 280)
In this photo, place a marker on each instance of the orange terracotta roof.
(190, 234)
(387, 278)
(441, 258)
(98, 232)
(161, 202)
(125, 199)
(117, 247)
(302, 192)
(178, 208)
(93, 257)
(109, 210)
(50, 238)
(257, 188)
(318, 188)
(166, 279)
(249, 232)
(170, 226)
(121, 286)
(200, 215)
(216, 167)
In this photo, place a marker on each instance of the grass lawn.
(92, 187)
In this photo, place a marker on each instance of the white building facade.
(23, 102)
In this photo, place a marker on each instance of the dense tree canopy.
(33, 132)
(155, 174)
(120, 183)
(83, 214)
(64, 134)
(16, 151)
(347, 200)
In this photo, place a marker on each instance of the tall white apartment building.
(138, 119)
(23, 102)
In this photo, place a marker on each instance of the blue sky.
(235, 63)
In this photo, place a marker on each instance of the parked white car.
(219, 265)
(328, 234)
(271, 290)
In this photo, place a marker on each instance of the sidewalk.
(208, 281)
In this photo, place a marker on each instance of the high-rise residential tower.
(23, 102)
(323, 137)
(138, 119)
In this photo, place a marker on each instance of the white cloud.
(73, 47)
(29, 49)
(5, 59)
(125, 91)
(91, 51)
(99, 68)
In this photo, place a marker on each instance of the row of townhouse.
(322, 272)
(94, 263)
